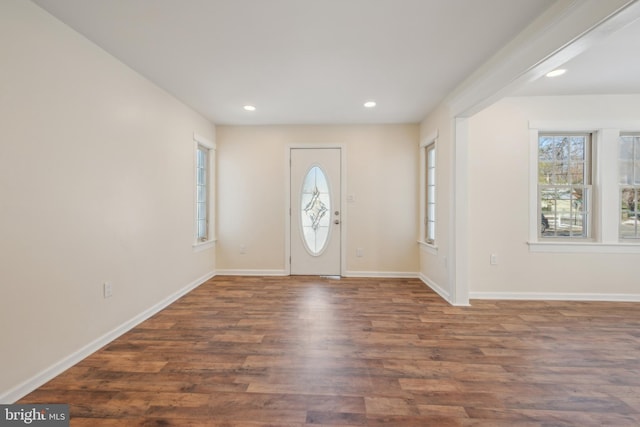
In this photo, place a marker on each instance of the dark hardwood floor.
(309, 351)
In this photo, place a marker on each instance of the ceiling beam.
(562, 32)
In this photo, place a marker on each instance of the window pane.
(545, 172)
(431, 176)
(629, 176)
(636, 160)
(559, 174)
(315, 208)
(546, 149)
(202, 211)
(431, 212)
(326, 201)
(430, 193)
(202, 229)
(576, 174)
(564, 211)
(625, 169)
(625, 160)
(202, 193)
(577, 148)
(629, 213)
(563, 172)
(431, 231)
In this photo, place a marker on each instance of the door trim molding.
(343, 202)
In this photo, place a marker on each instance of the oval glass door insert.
(315, 208)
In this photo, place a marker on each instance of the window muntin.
(202, 193)
(564, 185)
(430, 196)
(629, 180)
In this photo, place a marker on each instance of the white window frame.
(427, 144)
(636, 187)
(587, 188)
(200, 142)
(605, 210)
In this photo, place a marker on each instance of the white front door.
(315, 211)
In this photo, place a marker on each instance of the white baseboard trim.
(59, 367)
(391, 274)
(553, 296)
(436, 288)
(252, 273)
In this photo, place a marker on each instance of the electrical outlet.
(107, 289)
(359, 252)
(243, 249)
(493, 259)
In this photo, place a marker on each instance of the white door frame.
(343, 203)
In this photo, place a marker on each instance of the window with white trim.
(564, 185)
(430, 194)
(204, 162)
(583, 198)
(202, 193)
(629, 180)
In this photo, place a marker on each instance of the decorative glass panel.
(315, 209)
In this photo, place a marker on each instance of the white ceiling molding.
(565, 30)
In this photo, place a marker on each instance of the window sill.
(429, 248)
(584, 247)
(201, 246)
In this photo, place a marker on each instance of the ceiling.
(611, 66)
(317, 62)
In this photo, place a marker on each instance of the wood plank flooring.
(309, 351)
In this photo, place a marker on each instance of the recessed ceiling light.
(370, 104)
(556, 73)
(250, 107)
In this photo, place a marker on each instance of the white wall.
(435, 262)
(499, 205)
(382, 166)
(96, 184)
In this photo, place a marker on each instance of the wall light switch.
(107, 289)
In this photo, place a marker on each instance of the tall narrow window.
(629, 179)
(430, 196)
(564, 185)
(202, 193)
(204, 157)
